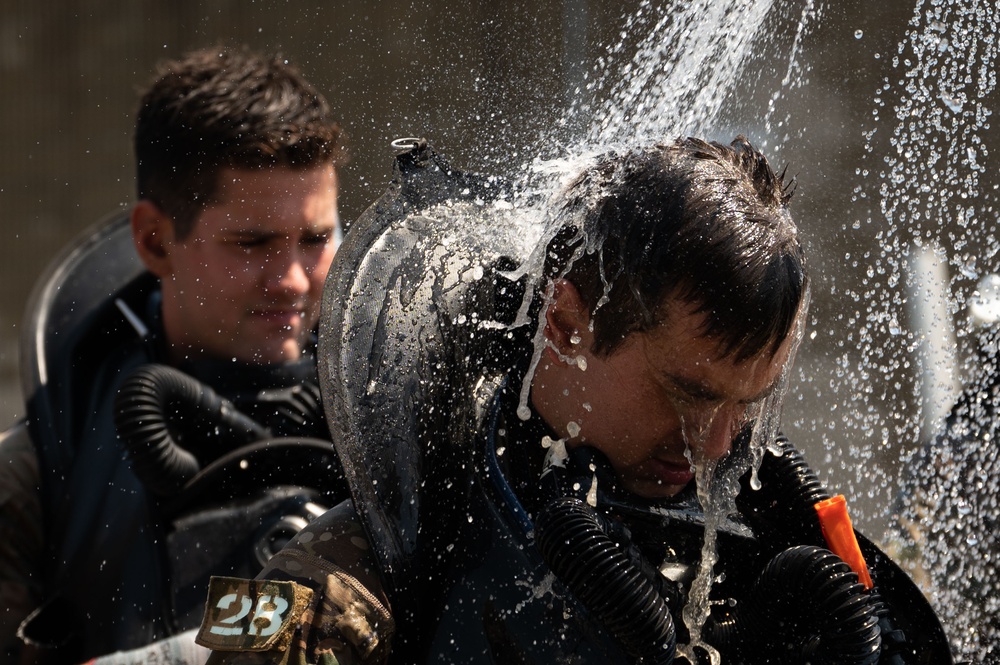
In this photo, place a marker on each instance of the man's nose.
(714, 432)
(719, 440)
(289, 273)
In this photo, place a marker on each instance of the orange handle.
(839, 534)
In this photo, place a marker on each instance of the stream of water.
(679, 71)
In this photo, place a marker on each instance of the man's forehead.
(274, 201)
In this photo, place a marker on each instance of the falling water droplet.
(953, 102)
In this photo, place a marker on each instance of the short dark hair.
(703, 222)
(225, 107)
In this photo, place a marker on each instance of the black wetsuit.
(116, 573)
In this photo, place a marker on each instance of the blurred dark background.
(483, 80)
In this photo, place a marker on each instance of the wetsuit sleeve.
(21, 539)
(318, 602)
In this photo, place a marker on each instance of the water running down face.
(662, 400)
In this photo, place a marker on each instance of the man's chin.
(649, 489)
(281, 351)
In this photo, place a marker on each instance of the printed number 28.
(269, 609)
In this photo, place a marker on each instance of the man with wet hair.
(689, 285)
(237, 213)
(236, 225)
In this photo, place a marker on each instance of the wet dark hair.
(702, 222)
(222, 107)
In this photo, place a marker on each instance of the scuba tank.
(421, 354)
(151, 482)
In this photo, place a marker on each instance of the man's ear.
(567, 321)
(153, 234)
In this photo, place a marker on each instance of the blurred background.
(486, 81)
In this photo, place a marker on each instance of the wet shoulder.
(318, 602)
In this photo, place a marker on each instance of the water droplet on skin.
(858, 34)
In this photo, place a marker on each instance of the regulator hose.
(574, 542)
(783, 506)
(157, 408)
(806, 606)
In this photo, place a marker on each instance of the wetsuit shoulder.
(317, 602)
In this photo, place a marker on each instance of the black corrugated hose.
(575, 543)
(806, 606)
(158, 408)
(783, 505)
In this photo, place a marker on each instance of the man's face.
(660, 401)
(246, 283)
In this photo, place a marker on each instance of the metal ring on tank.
(403, 145)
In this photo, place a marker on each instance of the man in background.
(236, 225)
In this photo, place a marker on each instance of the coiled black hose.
(158, 408)
(574, 542)
(806, 606)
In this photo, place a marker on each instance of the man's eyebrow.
(766, 392)
(693, 389)
(699, 391)
(251, 233)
